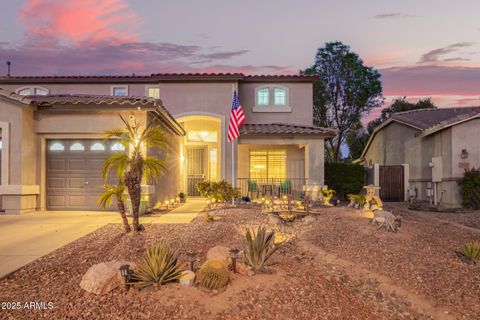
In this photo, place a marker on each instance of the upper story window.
(153, 92)
(119, 91)
(272, 98)
(263, 97)
(32, 91)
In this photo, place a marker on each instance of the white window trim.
(119, 86)
(5, 126)
(271, 107)
(152, 87)
(32, 89)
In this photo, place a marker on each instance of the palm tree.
(106, 199)
(132, 165)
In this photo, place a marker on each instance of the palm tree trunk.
(134, 185)
(121, 208)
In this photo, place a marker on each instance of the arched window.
(56, 146)
(97, 146)
(32, 91)
(263, 97)
(280, 96)
(77, 146)
(117, 147)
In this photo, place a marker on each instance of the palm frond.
(153, 167)
(130, 129)
(155, 137)
(119, 161)
(111, 191)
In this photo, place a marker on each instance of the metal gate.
(196, 168)
(391, 181)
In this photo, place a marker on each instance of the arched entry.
(202, 150)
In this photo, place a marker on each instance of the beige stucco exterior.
(210, 101)
(397, 144)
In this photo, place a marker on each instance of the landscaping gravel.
(301, 284)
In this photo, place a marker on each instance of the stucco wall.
(300, 102)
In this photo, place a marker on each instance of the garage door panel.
(76, 183)
(56, 201)
(56, 183)
(77, 164)
(74, 177)
(56, 164)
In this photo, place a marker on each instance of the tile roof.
(428, 118)
(284, 128)
(86, 99)
(155, 77)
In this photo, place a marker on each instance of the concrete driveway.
(26, 237)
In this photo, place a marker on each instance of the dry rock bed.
(336, 266)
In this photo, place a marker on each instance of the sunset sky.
(421, 47)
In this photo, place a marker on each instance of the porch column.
(314, 167)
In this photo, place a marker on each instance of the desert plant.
(471, 251)
(132, 165)
(356, 200)
(217, 191)
(287, 217)
(214, 274)
(259, 246)
(157, 267)
(117, 191)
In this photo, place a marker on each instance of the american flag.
(237, 118)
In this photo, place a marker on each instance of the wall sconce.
(464, 154)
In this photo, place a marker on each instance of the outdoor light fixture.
(464, 154)
(192, 256)
(126, 272)
(234, 256)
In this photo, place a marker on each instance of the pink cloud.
(79, 20)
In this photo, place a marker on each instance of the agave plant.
(471, 251)
(132, 165)
(106, 199)
(259, 246)
(157, 267)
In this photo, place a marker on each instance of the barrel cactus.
(214, 274)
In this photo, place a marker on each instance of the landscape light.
(192, 256)
(234, 256)
(126, 272)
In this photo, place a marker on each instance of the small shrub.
(471, 251)
(470, 188)
(287, 217)
(259, 246)
(218, 191)
(157, 267)
(208, 218)
(214, 274)
(357, 200)
(345, 178)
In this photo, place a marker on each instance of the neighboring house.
(434, 145)
(52, 129)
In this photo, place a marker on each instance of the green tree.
(133, 166)
(118, 192)
(345, 91)
(357, 139)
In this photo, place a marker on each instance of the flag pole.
(233, 156)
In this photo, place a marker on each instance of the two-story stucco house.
(435, 146)
(52, 129)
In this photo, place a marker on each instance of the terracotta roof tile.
(284, 128)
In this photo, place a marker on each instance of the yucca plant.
(157, 267)
(132, 165)
(259, 246)
(471, 251)
(118, 192)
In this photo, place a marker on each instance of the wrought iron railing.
(258, 188)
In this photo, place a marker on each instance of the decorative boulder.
(273, 218)
(219, 253)
(309, 220)
(103, 277)
(187, 278)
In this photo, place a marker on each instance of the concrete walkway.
(26, 237)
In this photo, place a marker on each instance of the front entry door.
(196, 168)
